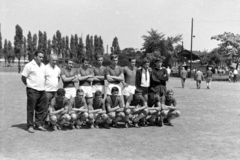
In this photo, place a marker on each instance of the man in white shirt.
(143, 78)
(52, 77)
(33, 76)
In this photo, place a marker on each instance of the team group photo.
(119, 80)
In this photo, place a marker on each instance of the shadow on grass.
(22, 126)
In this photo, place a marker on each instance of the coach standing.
(34, 78)
(52, 77)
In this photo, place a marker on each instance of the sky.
(128, 20)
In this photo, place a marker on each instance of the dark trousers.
(49, 96)
(36, 101)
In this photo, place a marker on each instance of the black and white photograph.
(119, 80)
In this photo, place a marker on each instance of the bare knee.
(67, 117)
(112, 115)
(53, 118)
(177, 114)
(127, 112)
(121, 114)
(145, 112)
(164, 114)
(73, 117)
(90, 117)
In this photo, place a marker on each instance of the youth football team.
(108, 96)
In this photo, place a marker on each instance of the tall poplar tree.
(58, 42)
(67, 47)
(54, 44)
(11, 55)
(18, 43)
(1, 49)
(34, 42)
(29, 46)
(91, 48)
(72, 47)
(115, 49)
(88, 47)
(24, 53)
(80, 50)
(5, 51)
(46, 58)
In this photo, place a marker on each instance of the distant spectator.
(198, 78)
(235, 73)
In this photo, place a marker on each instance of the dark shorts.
(144, 90)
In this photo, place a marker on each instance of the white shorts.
(87, 91)
(127, 91)
(70, 92)
(110, 86)
(98, 88)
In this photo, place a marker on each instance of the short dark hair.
(138, 91)
(113, 56)
(131, 58)
(170, 91)
(85, 59)
(79, 91)
(158, 60)
(98, 93)
(61, 92)
(37, 52)
(70, 60)
(145, 60)
(99, 56)
(114, 89)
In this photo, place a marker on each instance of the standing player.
(33, 76)
(52, 77)
(130, 78)
(85, 76)
(183, 75)
(209, 77)
(159, 78)
(136, 107)
(198, 78)
(99, 111)
(99, 73)
(114, 107)
(114, 74)
(154, 107)
(79, 110)
(58, 110)
(169, 107)
(69, 78)
(143, 78)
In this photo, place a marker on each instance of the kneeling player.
(169, 107)
(154, 107)
(79, 110)
(99, 112)
(136, 107)
(58, 110)
(114, 107)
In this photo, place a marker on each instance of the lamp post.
(190, 74)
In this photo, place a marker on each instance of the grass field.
(207, 129)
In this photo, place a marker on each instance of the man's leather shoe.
(30, 130)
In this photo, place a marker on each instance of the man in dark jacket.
(159, 77)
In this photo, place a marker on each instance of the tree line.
(155, 45)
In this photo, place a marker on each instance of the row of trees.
(65, 47)
(155, 45)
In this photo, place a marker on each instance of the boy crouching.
(154, 108)
(98, 111)
(79, 110)
(58, 110)
(136, 107)
(114, 107)
(169, 105)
